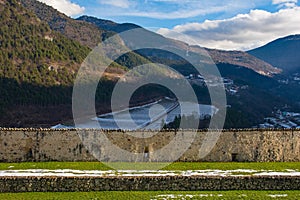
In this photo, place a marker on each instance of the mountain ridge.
(282, 53)
(108, 25)
(83, 32)
(47, 58)
(218, 56)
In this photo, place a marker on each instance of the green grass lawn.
(278, 166)
(222, 195)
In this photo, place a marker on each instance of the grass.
(234, 165)
(278, 166)
(222, 195)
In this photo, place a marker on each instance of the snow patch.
(277, 195)
(183, 197)
(142, 173)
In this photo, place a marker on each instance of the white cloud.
(242, 32)
(180, 14)
(116, 3)
(65, 6)
(285, 3)
(173, 9)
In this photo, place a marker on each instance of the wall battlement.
(39, 145)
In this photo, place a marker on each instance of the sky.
(219, 24)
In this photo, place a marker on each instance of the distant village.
(229, 85)
(282, 119)
(294, 78)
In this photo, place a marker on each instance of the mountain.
(90, 31)
(39, 61)
(108, 25)
(42, 49)
(244, 59)
(250, 106)
(37, 68)
(30, 49)
(83, 32)
(282, 53)
(229, 57)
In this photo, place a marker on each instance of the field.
(222, 195)
(278, 166)
(155, 195)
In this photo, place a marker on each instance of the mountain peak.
(282, 53)
(83, 32)
(91, 18)
(290, 37)
(108, 25)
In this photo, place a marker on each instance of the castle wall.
(175, 183)
(23, 145)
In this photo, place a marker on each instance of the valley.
(43, 49)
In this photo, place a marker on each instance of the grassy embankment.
(275, 166)
(222, 195)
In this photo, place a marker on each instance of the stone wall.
(21, 145)
(174, 183)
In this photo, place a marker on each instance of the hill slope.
(229, 57)
(282, 53)
(243, 68)
(108, 25)
(31, 52)
(41, 51)
(83, 32)
(37, 66)
(39, 63)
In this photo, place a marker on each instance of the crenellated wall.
(21, 145)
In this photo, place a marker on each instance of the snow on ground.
(277, 195)
(189, 196)
(278, 174)
(181, 196)
(148, 173)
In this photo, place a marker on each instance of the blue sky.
(198, 19)
(169, 13)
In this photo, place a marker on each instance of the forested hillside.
(42, 49)
(38, 66)
(282, 53)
